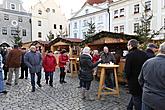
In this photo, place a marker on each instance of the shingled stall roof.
(108, 38)
(72, 41)
(44, 43)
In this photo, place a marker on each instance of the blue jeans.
(146, 107)
(33, 78)
(85, 84)
(1, 82)
(47, 75)
(109, 79)
(135, 101)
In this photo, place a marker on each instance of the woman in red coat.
(63, 58)
(49, 64)
(95, 58)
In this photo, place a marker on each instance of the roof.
(104, 34)
(66, 40)
(38, 41)
(91, 2)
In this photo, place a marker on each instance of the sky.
(66, 5)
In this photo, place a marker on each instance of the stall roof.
(66, 40)
(104, 34)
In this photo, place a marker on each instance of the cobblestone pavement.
(59, 97)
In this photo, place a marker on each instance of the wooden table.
(73, 62)
(102, 79)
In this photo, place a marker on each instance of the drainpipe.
(108, 17)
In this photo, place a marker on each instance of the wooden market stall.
(72, 47)
(116, 42)
(42, 45)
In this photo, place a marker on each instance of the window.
(84, 33)
(148, 5)
(100, 20)
(86, 11)
(55, 26)
(116, 29)
(39, 34)
(75, 25)
(39, 23)
(121, 12)
(39, 12)
(75, 35)
(48, 10)
(136, 27)
(23, 32)
(12, 6)
(4, 30)
(116, 14)
(20, 19)
(61, 27)
(84, 23)
(14, 31)
(6, 17)
(53, 10)
(122, 29)
(136, 8)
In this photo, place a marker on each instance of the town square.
(82, 55)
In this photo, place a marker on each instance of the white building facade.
(97, 14)
(125, 17)
(47, 17)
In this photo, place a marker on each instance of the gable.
(85, 8)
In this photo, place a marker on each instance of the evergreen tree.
(50, 36)
(91, 30)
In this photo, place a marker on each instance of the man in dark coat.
(151, 79)
(107, 57)
(24, 68)
(151, 49)
(33, 60)
(134, 61)
(86, 72)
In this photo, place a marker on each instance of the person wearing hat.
(63, 58)
(151, 49)
(49, 64)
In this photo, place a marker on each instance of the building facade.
(125, 17)
(47, 17)
(96, 13)
(14, 21)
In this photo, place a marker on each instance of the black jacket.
(150, 53)
(134, 61)
(86, 68)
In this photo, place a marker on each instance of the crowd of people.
(145, 71)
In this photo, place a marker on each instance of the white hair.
(86, 50)
(162, 48)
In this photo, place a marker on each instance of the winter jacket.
(63, 58)
(33, 60)
(150, 53)
(134, 61)
(108, 57)
(86, 67)
(95, 58)
(14, 58)
(49, 63)
(152, 78)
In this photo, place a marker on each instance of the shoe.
(51, 85)
(8, 84)
(39, 84)
(26, 78)
(33, 90)
(16, 83)
(20, 77)
(5, 78)
(46, 81)
(64, 81)
(4, 92)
